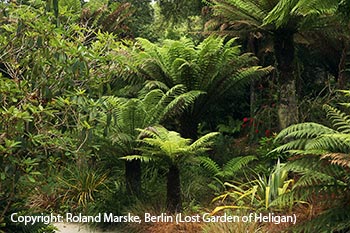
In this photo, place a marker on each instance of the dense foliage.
(220, 107)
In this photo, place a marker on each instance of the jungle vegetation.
(217, 106)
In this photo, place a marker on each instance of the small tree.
(214, 66)
(130, 114)
(172, 149)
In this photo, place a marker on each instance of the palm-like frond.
(318, 7)
(213, 67)
(323, 161)
(281, 13)
(204, 142)
(169, 146)
(235, 165)
(340, 119)
(151, 108)
(303, 131)
(270, 15)
(224, 173)
(209, 165)
(251, 11)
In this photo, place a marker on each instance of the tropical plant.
(213, 66)
(282, 19)
(173, 150)
(152, 107)
(321, 158)
(224, 173)
(257, 194)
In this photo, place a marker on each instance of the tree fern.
(322, 160)
(170, 148)
(213, 67)
(129, 115)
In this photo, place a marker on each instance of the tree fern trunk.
(342, 67)
(284, 53)
(173, 201)
(133, 176)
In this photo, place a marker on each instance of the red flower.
(267, 133)
(245, 119)
(256, 131)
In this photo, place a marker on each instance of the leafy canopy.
(162, 144)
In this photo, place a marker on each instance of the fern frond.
(303, 131)
(340, 159)
(235, 165)
(210, 165)
(178, 105)
(315, 7)
(280, 15)
(335, 219)
(292, 145)
(335, 142)
(339, 119)
(203, 142)
(238, 9)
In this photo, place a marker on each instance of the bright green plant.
(214, 66)
(258, 194)
(152, 107)
(172, 150)
(225, 173)
(322, 160)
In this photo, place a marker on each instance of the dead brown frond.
(340, 159)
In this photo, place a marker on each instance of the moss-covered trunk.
(343, 74)
(284, 53)
(173, 199)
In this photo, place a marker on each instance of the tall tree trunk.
(133, 176)
(284, 53)
(173, 199)
(342, 73)
(253, 47)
